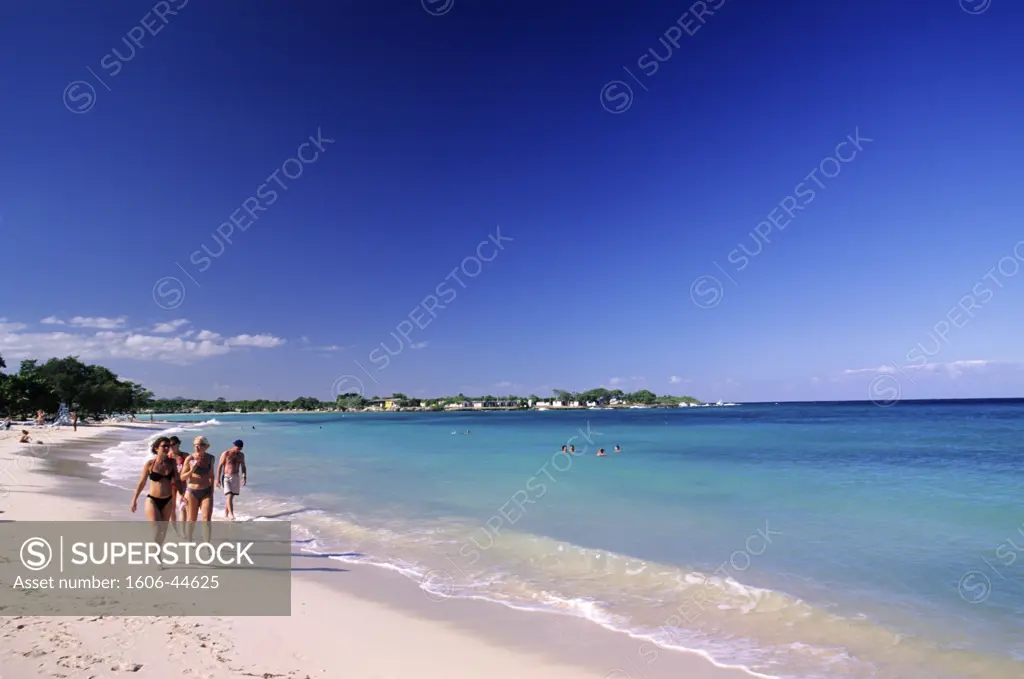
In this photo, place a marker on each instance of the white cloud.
(329, 347)
(674, 380)
(615, 381)
(6, 326)
(134, 345)
(418, 345)
(953, 368)
(52, 320)
(262, 341)
(170, 326)
(99, 322)
(880, 370)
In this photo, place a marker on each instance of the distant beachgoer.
(198, 474)
(162, 475)
(601, 453)
(40, 418)
(6, 424)
(231, 473)
(618, 450)
(74, 420)
(564, 449)
(25, 438)
(572, 449)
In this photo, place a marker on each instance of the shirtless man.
(231, 474)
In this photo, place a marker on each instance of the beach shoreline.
(344, 615)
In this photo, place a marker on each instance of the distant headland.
(352, 402)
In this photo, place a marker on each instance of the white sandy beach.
(347, 620)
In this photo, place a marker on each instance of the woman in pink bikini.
(179, 497)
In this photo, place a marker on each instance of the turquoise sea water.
(795, 540)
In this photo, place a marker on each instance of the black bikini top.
(153, 476)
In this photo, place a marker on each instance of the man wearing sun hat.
(231, 473)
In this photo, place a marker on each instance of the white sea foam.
(119, 465)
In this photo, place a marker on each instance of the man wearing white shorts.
(231, 474)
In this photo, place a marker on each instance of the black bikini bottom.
(159, 502)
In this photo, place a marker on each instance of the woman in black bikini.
(198, 474)
(163, 477)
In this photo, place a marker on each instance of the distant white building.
(574, 404)
(557, 404)
(478, 404)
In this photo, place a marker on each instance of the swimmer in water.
(564, 450)
(618, 450)
(572, 449)
(601, 453)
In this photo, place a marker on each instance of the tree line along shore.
(93, 391)
(351, 402)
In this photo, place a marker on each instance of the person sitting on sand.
(601, 453)
(6, 424)
(25, 438)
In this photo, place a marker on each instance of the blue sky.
(655, 221)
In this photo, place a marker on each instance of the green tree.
(643, 396)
